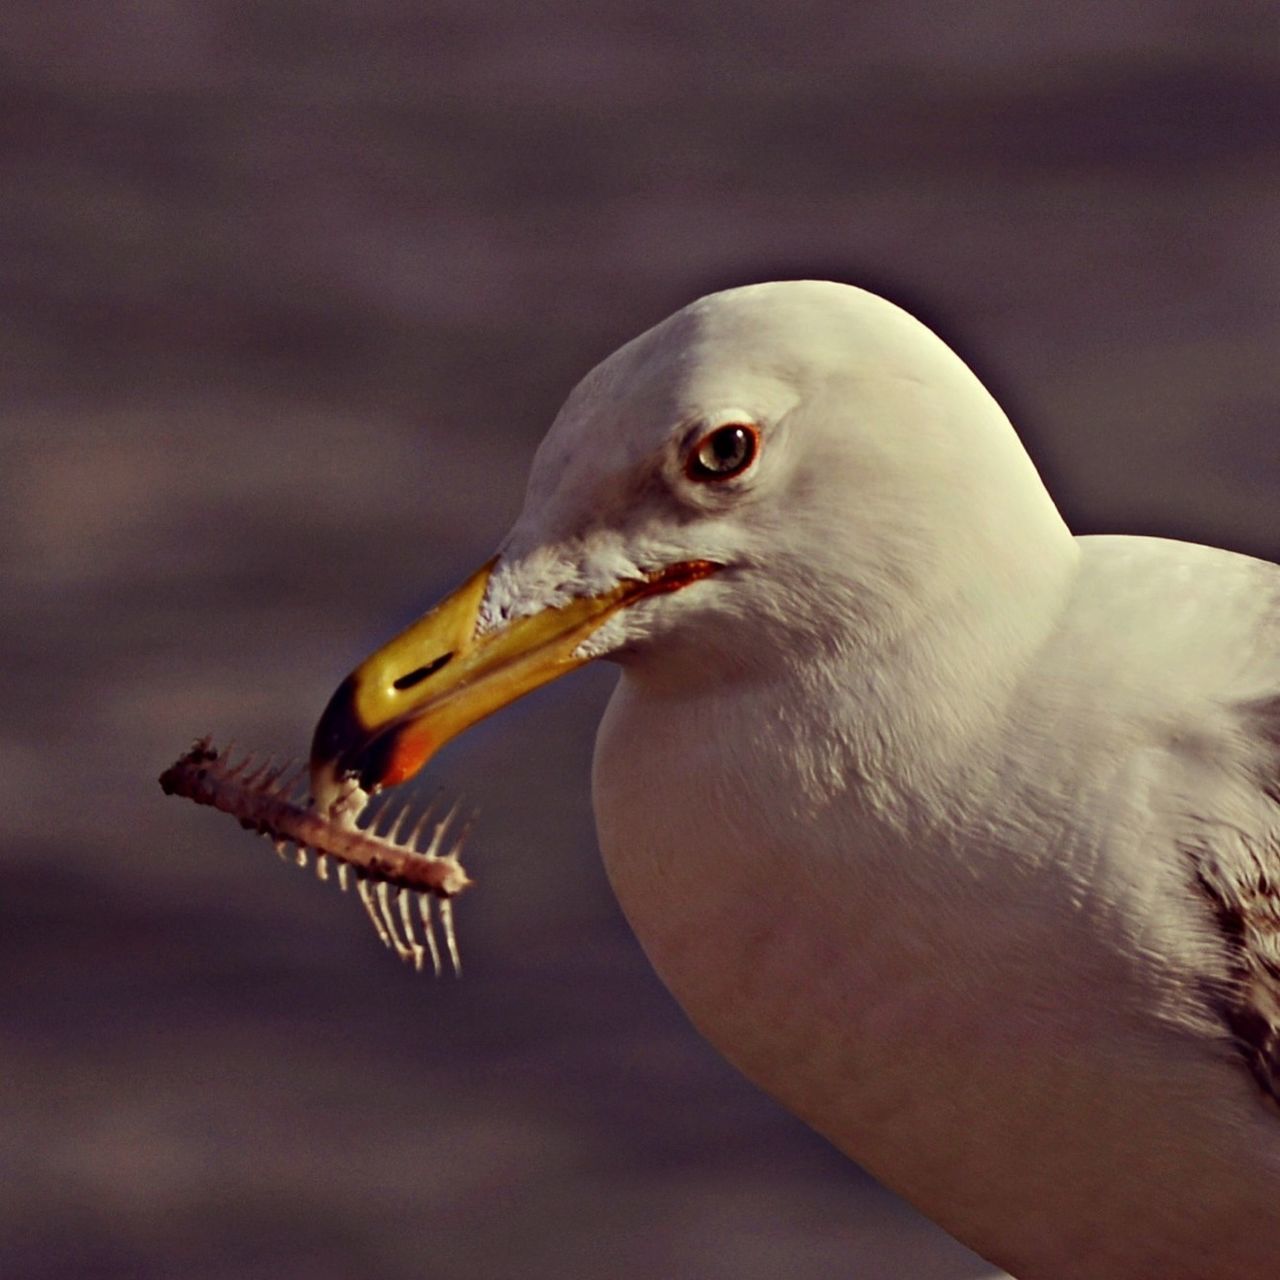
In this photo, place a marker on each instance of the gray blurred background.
(289, 291)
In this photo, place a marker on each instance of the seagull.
(955, 833)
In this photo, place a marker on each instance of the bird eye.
(722, 453)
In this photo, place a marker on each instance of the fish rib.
(379, 845)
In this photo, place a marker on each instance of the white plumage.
(958, 835)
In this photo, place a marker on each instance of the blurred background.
(289, 291)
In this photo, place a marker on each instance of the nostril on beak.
(419, 674)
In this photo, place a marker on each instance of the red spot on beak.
(406, 757)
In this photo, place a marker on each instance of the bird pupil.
(722, 453)
(728, 445)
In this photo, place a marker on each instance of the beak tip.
(339, 735)
(328, 786)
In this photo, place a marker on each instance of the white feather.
(921, 805)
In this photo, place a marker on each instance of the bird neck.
(895, 697)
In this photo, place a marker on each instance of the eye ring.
(723, 453)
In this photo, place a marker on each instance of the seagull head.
(773, 474)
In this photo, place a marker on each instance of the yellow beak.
(438, 677)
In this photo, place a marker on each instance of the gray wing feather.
(1237, 866)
